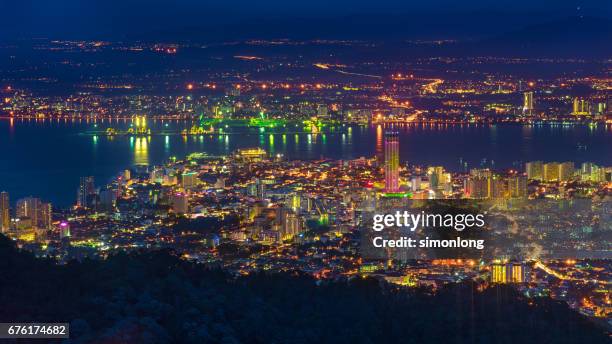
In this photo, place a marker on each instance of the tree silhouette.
(154, 297)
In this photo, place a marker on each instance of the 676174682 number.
(34, 330)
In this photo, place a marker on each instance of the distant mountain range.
(567, 33)
(533, 35)
(575, 36)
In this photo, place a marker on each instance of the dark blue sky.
(117, 18)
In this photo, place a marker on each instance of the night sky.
(117, 19)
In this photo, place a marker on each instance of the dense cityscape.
(249, 212)
(281, 88)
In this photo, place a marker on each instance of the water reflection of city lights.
(141, 151)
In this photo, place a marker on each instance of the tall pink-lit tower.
(392, 161)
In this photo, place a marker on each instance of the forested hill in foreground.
(157, 298)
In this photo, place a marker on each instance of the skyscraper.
(107, 200)
(392, 161)
(517, 186)
(5, 212)
(44, 216)
(86, 188)
(510, 272)
(478, 187)
(593, 173)
(528, 103)
(498, 187)
(498, 273)
(551, 171)
(259, 189)
(483, 184)
(38, 212)
(26, 207)
(189, 180)
(581, 106)
(535, 170)
(566, 171)
(180, 203)
(291, 225)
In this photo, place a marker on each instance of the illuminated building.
(535, 170)
(416, 183)
(498, 273)
(392, 161)
(256, 209)
(64, 230)
(107, 200)
(23, 224)
(586, 169)
(481, 173)
(528, 103)
(295, 202)
(180, 203)
(307, 205)
(498, 188)
(479, 184)
(510, 272)
(517, 186)
(519, 273)
(44, 216)
(38, 212)
(156, 175)
(593, 173)
(86, 188)
(26, 207)
(170, 180)
(581, 106)
(551, 171)
(189, 180)
(370, 267)
(434, 181)
(601, 108)
(478, 187)
(258, 189)
(482, 184)
(438, 178)
(5, 212)
(250, 155)
(566, 171)
(291, 225)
